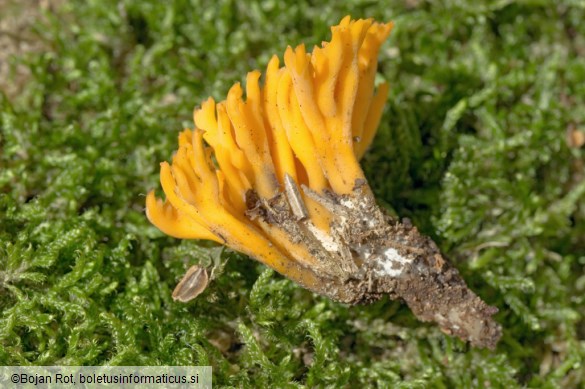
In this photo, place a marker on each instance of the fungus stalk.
(276, 176)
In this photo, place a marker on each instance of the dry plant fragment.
(191, 285)
(276, 176)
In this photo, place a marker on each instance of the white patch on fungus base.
(326, 240)
(392, 263)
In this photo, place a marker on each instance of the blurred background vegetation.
(481, 145)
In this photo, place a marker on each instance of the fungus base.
(381, 256)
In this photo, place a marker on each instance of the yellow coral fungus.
(301, 119)
(276, 176)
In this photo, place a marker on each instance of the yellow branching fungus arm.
(372, 120)
(174, 223)
(281, 151)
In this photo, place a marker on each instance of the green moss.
(472, 148)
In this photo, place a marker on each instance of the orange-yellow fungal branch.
(309, 122)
